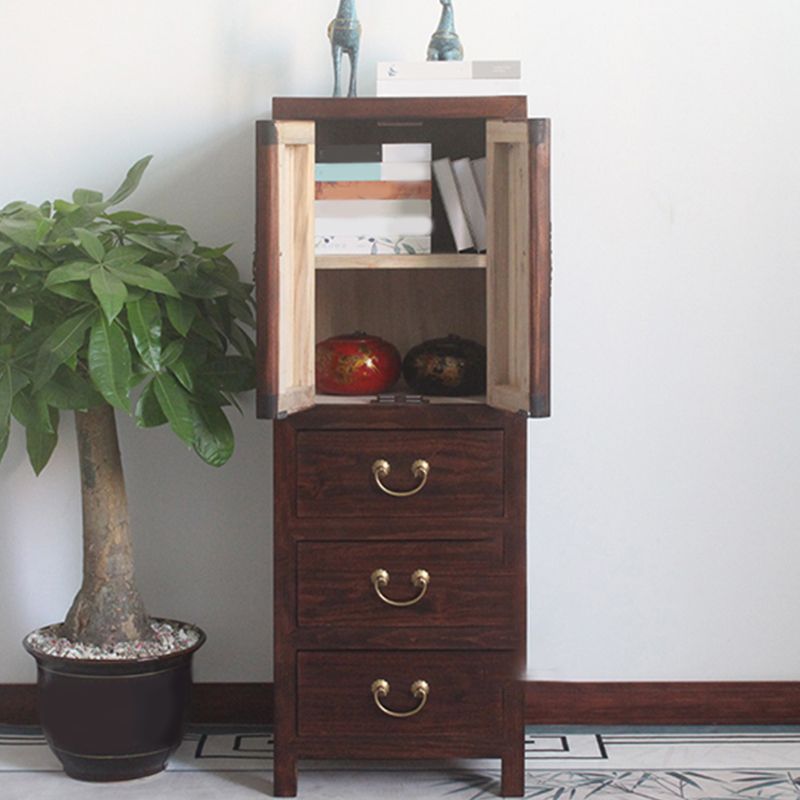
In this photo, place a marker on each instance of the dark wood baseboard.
(669, 703)
(546, 703)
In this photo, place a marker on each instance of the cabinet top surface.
(510, 107)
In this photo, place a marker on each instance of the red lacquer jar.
(356, 364)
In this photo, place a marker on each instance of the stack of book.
(373, 199)
(462, 185)
(448, 78)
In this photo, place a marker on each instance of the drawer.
(465, 695)
(463, 586)
(335, 476)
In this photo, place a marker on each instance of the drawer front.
(450, 584)
(335, 476)
(465, 697)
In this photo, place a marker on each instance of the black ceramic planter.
(114, 720)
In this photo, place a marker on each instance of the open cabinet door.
(284, 266)
(518, 272)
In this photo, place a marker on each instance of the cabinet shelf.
(362, 400)
(428, 261)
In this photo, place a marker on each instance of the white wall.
(664, 503)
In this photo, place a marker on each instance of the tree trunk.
(107, 609)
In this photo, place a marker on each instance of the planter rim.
(45, 658)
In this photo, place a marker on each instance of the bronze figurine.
(345, 35)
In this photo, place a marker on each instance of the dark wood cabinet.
(400, 577)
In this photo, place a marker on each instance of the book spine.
(391, 171)
(445, 180)
(372, 153)
(375, 217)
(348, 153)
(448, 70)
(454, 88)
(420, 152)
(373, 190)
(372, 245)
(479, 171)
(471, 202)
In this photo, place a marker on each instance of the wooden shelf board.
(430, 261)
(360, 400)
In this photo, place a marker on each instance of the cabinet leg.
(285, 776)
(512, 783)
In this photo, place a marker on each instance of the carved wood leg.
(285, 774)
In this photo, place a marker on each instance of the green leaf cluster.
(118, 307)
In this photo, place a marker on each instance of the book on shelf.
(373, 190)
(334, 245)
(448, 70)
(455, 88)
(373, 199)
(374, 171)
(370, 153)
(471, 202)
(479, 171)
(375, 217)
(448, 189)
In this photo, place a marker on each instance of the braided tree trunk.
(107, 609)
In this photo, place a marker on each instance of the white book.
(421, 151)
(479, 171)
(406, 170)
(373, 217)
(454, 88)
(448, 70)
(372, 245)
(445, 180)
(471, 202)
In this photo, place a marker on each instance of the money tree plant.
(103, 311)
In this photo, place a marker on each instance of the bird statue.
(445, 44)
(345, 35)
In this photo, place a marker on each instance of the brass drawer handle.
(420, 469)
(420, 579)
(419, 689)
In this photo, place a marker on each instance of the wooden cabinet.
(400, 589)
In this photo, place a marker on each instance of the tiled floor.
(563, 764)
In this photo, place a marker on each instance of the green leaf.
(182, 371)
(32, 262)
(144, 319)
(74, 291)
(6, 394)
(91, 244)
(4, 432)
(128, 186)
(197, 286)
(145, 278)
(32, 412)
(151, 243)
(83, 197)
(110, 363)
(172, 352)
(74, 271)
(68, 391)
(20, 307)
(125, 217)
(175, 404)
(120, 256)
(214, 440)
(63, 343)
(40, 444)
(148, 409)
(181, 314)
(229, 374)
(110, 291)
(23, 232)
